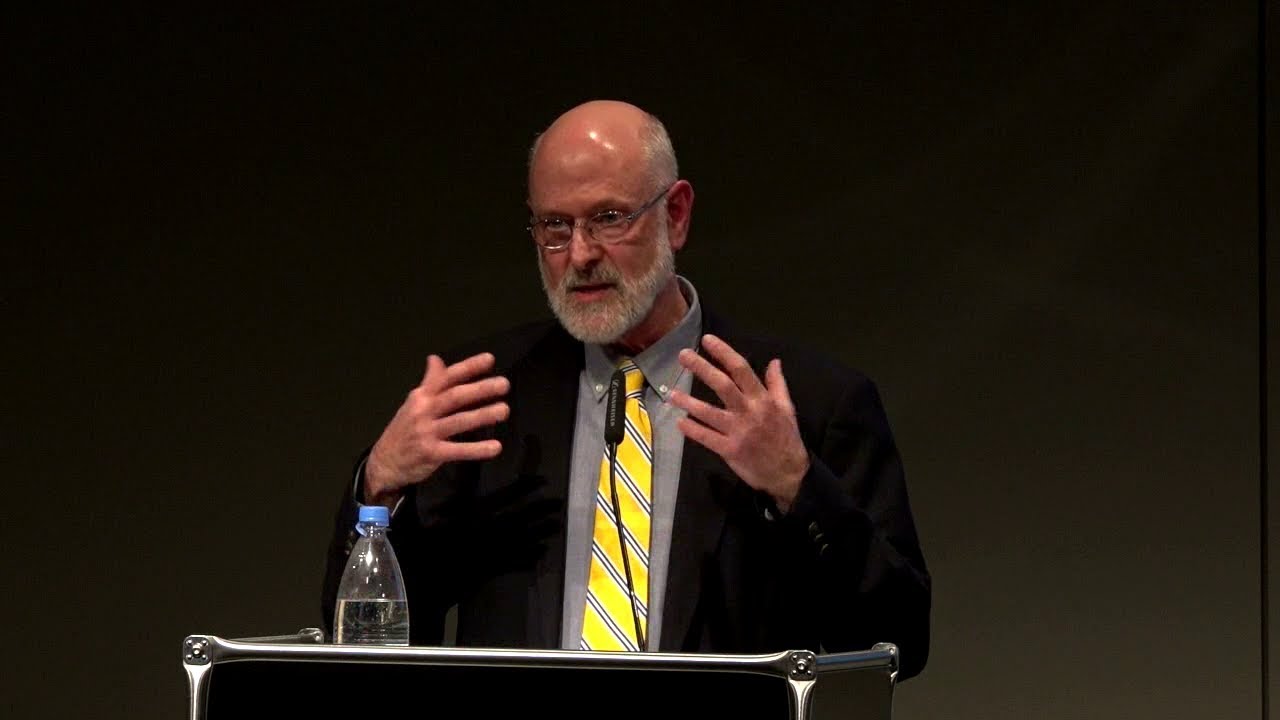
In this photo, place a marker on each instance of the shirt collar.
(660, 361)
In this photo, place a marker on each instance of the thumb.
(776, 383)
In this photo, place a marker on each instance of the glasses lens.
(609, 226)
(552, 233)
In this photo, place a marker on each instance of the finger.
(472, 393)
(704, 412)
(704, 436)
(712, 377)
(473, 419)
(467, 369)
(777, 385)
(737, 367)
(435, 367)
(480, 450)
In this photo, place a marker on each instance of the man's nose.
(583, 250)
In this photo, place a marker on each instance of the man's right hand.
(452, 399)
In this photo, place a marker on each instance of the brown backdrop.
(235, 235)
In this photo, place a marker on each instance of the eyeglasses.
(609, 226)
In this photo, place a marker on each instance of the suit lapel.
(548, 396)
(707, 488)
(695, 532)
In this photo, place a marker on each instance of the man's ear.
(679, 213)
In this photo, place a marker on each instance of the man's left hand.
(755, 432)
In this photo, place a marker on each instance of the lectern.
(302, 676)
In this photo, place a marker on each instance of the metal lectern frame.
(800, 668)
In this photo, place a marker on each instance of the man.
(761, 495)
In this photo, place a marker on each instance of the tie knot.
(635, 378)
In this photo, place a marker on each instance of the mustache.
(597, 275)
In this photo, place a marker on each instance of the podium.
(302, 676)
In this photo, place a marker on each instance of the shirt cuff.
(357, 489)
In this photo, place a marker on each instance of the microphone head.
(615, 408)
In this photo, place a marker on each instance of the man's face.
(600, 291)
(603, 291)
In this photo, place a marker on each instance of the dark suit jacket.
(841, 571)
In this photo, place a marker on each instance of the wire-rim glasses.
(554, 233)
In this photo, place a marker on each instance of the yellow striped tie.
(608, 622)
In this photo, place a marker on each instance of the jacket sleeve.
(855, 537)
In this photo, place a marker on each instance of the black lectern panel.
(248, 690)
(851, 694)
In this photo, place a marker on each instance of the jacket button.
(815, 532)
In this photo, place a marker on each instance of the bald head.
(604, 136)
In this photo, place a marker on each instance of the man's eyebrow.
(612, 203)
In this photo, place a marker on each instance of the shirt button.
(599, 387)
(662, 389)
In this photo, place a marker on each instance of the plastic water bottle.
(372, 608)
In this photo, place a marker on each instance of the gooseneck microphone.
(614, 430)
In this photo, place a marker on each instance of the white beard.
(605, 321)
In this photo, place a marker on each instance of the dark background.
(234, 235)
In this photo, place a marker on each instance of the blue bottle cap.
(376, 514)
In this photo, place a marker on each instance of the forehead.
(586, 196)
(586, 173)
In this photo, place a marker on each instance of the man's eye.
(609, 217)
(555, 224)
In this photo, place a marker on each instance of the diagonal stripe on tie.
(602, 631)
(612, 597)
(608, 543)
(634, 502)
(619, 580)
(611, 543)
(637, 495)
(640, 443)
